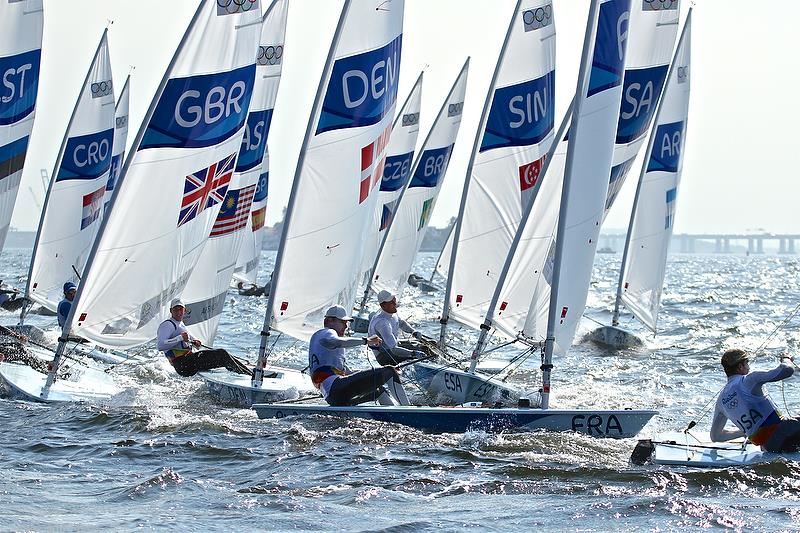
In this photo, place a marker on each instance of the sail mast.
(117, 187)
(27, 302)
(258, 372)
(368, 286)
(651, 141)
(467, 179)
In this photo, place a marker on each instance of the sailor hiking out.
(338, 384)
(744, 403)
(178, 345)
(386, 325)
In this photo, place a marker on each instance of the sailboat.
(21, 26)
(415, 205)
(121, 114)
(509, 154)
(588, 161)
(396, 173)
(652, 39)
(151, 237)
(340, 164)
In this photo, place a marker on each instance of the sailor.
(179, 347)
(744, 403)
(329, 372)
(70, 289)
(386, 325)
(12, 348)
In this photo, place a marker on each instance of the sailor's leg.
(209, 359)
(396, 389)
(786, 438)
(360, 387)
(186, 365)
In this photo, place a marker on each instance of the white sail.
(120, 138)
(21, 24)
(508, 158)
(415, 207)
(74, 202)
(651, 39)
(341, 162)
(173, 182)
(208, 284)
(654, 214)
(396, 173)
(269, 65)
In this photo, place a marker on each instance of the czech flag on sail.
(205, 188)
(387, 214)
(669, 219)
(92, 203)
(234, 211)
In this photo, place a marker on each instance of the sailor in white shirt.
(386, 324)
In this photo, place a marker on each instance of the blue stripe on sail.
(396, 172)
(521, 115)
(200, 111)
(19, 84)
(86, 157)
(667, 146)
(640, 91)
(12, 157)
(362, 88)
(610, 44)
(431, 167)
(254, 142)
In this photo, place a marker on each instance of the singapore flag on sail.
(528, 177)
(205, 188)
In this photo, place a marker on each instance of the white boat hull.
(614, 337)
(698, 450)
(84, 384)
(595, 423)
(461, 386)
(236, 389)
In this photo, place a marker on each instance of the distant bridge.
(716, 242)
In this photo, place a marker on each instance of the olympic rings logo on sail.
(270, 55)
(659, 5)
(683, 74)
(231, 7)
(102, 88)
(410, 119)
(453, 110)
(534, 19)
(121, 122)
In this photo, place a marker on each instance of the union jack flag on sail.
(234, 211)
(205, 188)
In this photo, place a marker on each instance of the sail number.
(92, 153)
(14, 82)
(452, 382)
(217, 104)
(595, 424)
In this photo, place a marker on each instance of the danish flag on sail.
(234, 211)
(372, 173)
(205, 188)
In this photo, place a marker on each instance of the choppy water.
(163, 456)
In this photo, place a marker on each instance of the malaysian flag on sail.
(234, 211)
(92, 203)
(205, 188)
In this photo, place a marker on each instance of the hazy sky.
(741, 146)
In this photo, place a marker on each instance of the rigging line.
(777, 328)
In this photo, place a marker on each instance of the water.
(163, 456)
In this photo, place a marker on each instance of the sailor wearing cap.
(330, 374)
(178, 345)
(386, 324)
(66, 303)
(744, 403)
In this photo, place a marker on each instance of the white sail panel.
(173, 183)
(208, 284)
(120, 138)
(333, 196)
(21, 24)
(74, 203)
(508, 160)
(651, 39)
(269, 65)
(416, 205)
(654, 217)
(396, 173)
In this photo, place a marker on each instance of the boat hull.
(84, 384)
(680, 449)
(461, 386)
(236, 389)
(595, 423)
(614, 337)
